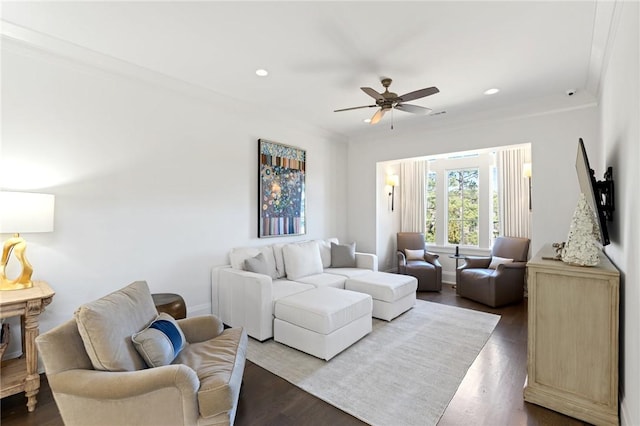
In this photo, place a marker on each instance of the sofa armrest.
(246, 300)
(401, 262)
(154, 396)
(367, 261)
(201, 328)
(512, 265)
(432, 258)
(475, 262)
(95, 384)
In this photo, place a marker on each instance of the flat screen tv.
(599, 195)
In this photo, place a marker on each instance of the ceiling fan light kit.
(389, 101)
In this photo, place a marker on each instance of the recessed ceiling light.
(262, 72)
(367, 120)
(491, 91)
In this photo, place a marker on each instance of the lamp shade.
(526, 170)
(392, 180)
(25, 212)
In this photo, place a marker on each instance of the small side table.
(21, 374)
(170, 303)
(457, 257)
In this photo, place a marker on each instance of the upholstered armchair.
(414, 260)
(98, 377)
(498, 279)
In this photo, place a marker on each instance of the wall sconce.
(392, 181)
(526, 173)
(22, 212)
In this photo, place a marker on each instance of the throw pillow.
(160, 342)
(302, 259)
(495, 261)
(257, 264)
(414, 254)
(239, 255)
(343, 255)
(106, 326)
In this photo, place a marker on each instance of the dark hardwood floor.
(490, 394)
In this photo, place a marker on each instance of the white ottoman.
(322, 321)
(392, 294)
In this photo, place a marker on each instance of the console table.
(572, 361)
(21, 374)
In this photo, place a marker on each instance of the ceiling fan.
(389, 100)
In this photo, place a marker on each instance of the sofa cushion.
(160, 342)
(281, 271)
(324, 280)
(284, 288)
(238, 256)
(496, 260)
(347, 272)
(325, 250)
(219, 364)
(343, 255)
(107, 324)
(302, 259)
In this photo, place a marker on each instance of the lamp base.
(11, 285)
(18, 245)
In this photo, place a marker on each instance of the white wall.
(151, 183)
(554, 143)
(620, 135)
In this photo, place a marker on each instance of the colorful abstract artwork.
(282, 189)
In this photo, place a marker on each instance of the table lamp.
(22, 212)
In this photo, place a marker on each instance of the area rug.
(404, 372)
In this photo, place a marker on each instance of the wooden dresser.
(21, 374)
(572, 354)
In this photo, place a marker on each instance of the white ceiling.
(320, 53)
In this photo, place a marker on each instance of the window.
(461, 200)
(430, 228)
(463, 207)
(495, 206)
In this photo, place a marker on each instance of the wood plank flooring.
(490, 394)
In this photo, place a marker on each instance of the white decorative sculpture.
(582, 246)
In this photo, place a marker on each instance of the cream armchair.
(201, 386)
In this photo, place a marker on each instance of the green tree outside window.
(463, 207)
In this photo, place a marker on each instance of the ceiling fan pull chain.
(392, 117)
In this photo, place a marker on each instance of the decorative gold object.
(22, 212)
(17, 245)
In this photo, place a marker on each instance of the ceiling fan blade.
(413, 109)
(378, 115)
(375, 95)
(358, 107)
(418, 94)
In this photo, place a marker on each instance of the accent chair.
(495, 280)
(415, 260)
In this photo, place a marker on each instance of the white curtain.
(412, 195)
(514, 193)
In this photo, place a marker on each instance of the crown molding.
(24, 41)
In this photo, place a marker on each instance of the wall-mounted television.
(599, 194)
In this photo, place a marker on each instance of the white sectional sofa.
(244, 293)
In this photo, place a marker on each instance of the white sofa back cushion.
(325, 250)
(277, 254)
(240, 254)
(302, 259)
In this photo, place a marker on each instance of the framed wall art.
(281, 203)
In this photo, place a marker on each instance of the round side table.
(170, 303)
(457, 257)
